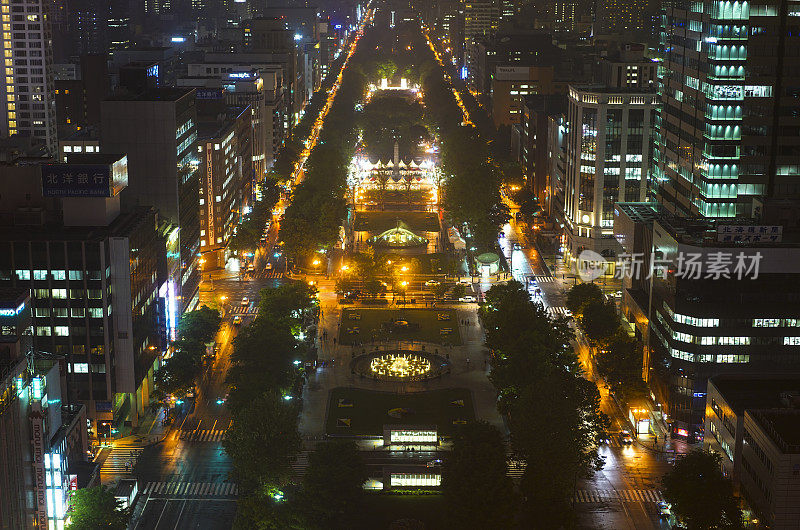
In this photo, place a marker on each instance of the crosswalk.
(244, 310)
(300, 464)
(122, 459)
(203, 435)
(596, 496)
(272, 274)
(190, 489)
(557, 311)
(516, 468)
(544, 279)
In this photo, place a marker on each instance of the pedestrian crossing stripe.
(191, 489)
(272, 274)
(204, 435)
(122, 459)
(239, 310)
(544, 279)
(557, 311)
(597, 496)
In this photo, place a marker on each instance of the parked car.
(468, 298)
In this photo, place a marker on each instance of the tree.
(600, 321)
(178, 373)
(343, 286)
(475, 482)
(556, 427)
(200, 325)
(333, 487)
(620, 363)
(97, 508)
(459, 291)
(701, 497)
(439, 291)
(291, 304)
(263, 441)
(580, 295)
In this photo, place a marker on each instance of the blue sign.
(76, 180)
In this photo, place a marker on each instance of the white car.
(245, 301)
(468, 298)
(432, 283)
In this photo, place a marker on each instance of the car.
(245, 301)
(237, 320)
(625, 438)
(468, 298)
(251, 267)
(462, 281)
(432, 283)
(268, 266)
(664, 510)
(567, 312)
(517, 246)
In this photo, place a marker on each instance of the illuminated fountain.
(400, 365)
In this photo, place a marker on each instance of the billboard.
(84, 180)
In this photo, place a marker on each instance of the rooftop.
(783, 427)
(153, 94)
(697, 231)
(752, 392)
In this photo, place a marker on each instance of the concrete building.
(608, 159)
(481, 19)
(691, 294)
(752, 421)
(226, 176)
(727, 144)
(533, 136)
(254, 80)
(628, 68)
(98, 281)
(28, 89)
(43, 439)
(157, 131)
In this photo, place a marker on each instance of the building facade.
(157, 130)
(226, 189)
(728, 143)
(710, 317)
(608, 158)
(28, 90)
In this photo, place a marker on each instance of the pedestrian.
(334, 341)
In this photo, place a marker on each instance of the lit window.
(80, 368)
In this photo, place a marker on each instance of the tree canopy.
(96, 509)
(701, 497)
(475, 483)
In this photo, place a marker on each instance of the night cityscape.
(400, 264)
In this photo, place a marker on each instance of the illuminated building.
(608, 160)
(226, 179)
(241, 80)
(43, 439)
(94, 272)
(157, 130)
(27, 87)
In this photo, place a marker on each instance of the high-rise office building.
(728, 143)
(481, 19)
(635, 19)
(608, 160)
(157, 129)
(28, 89)
(225, 146)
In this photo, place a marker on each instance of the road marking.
(627, 495)
(193, 489)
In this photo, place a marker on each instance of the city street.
(625, 492)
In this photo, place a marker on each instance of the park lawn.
(377, 222)
(367, 411)
(380, 510)
(369, 325)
